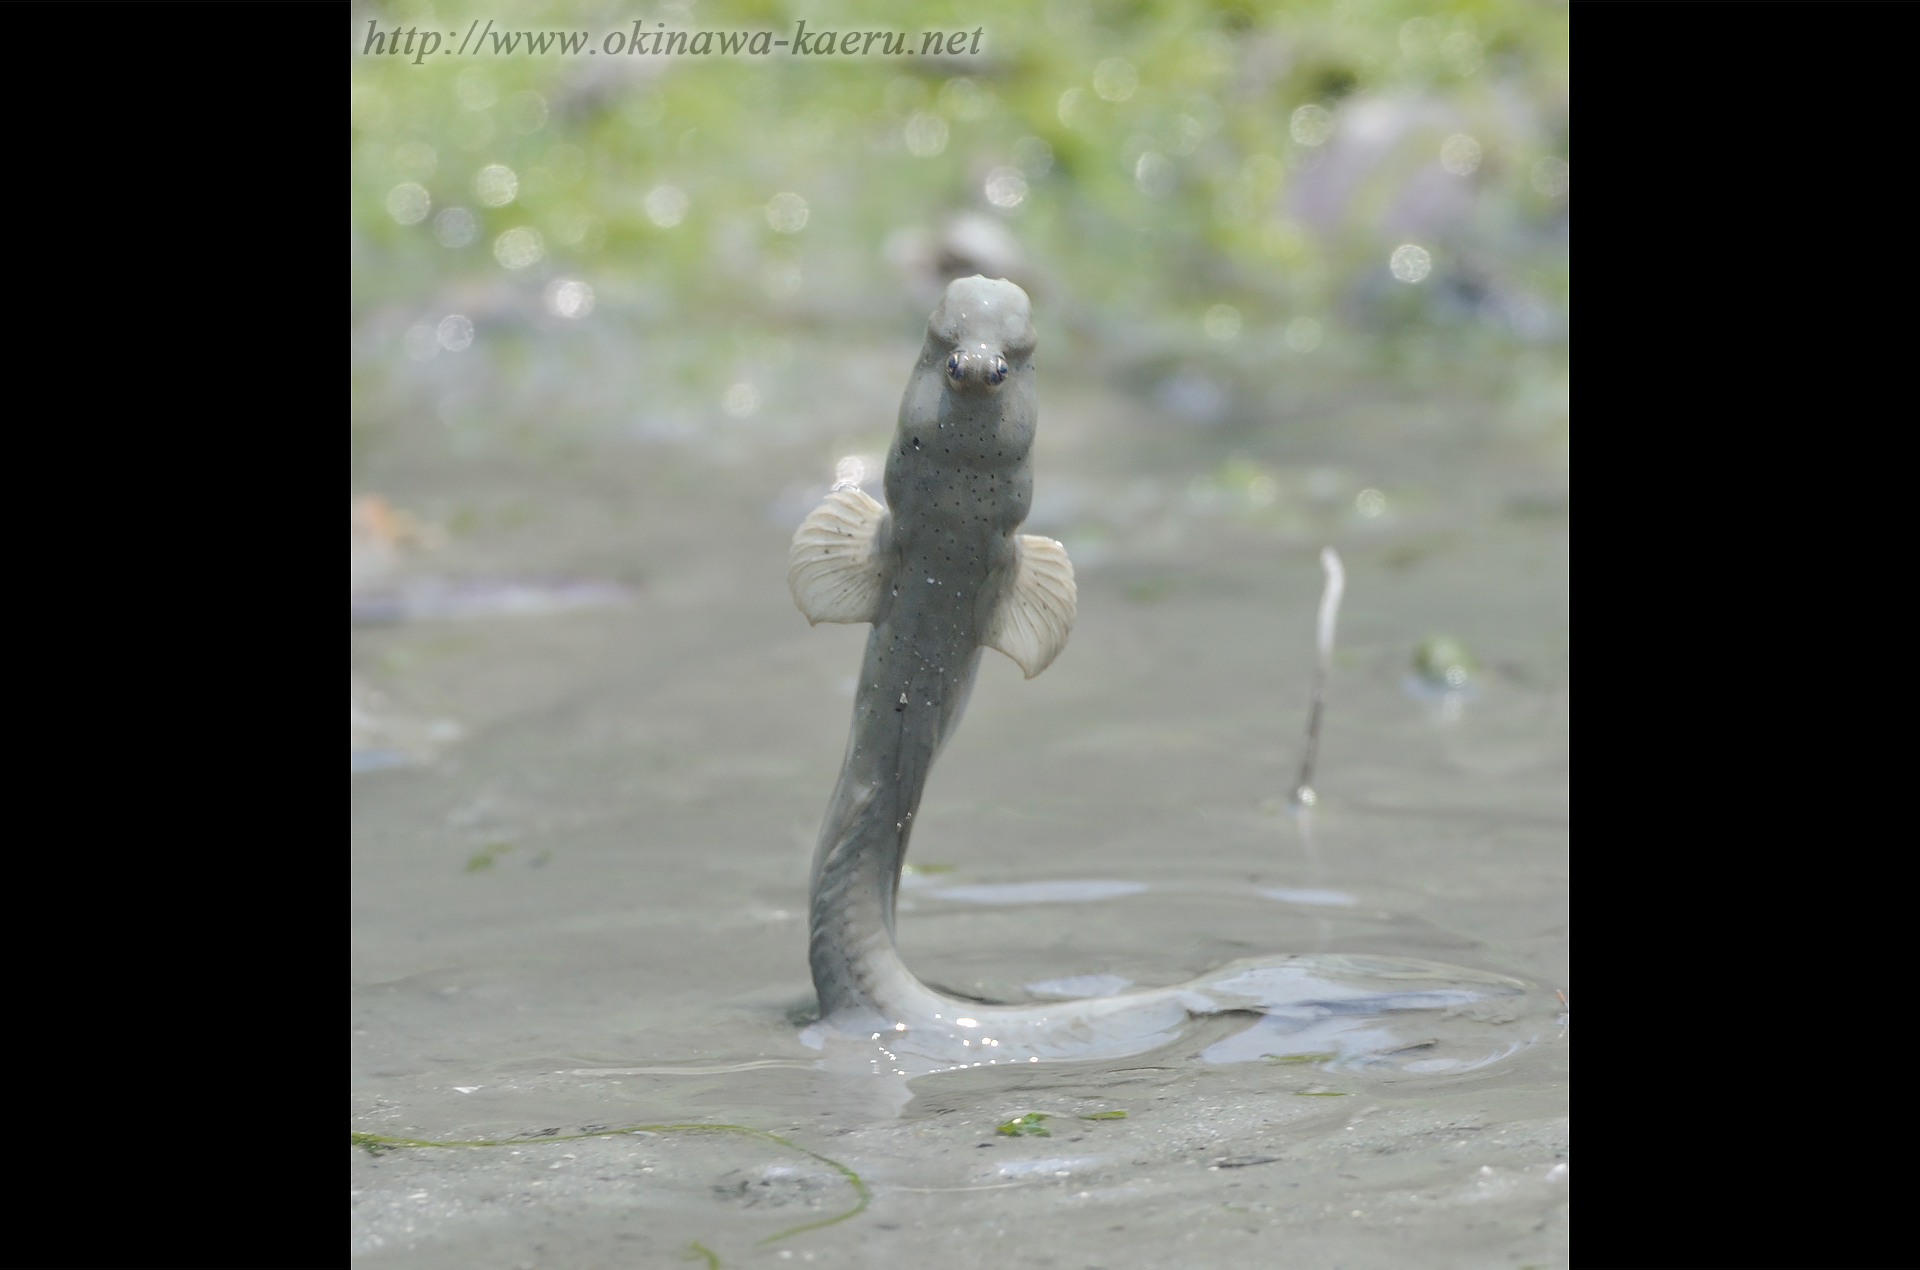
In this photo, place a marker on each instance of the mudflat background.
(605, 872)
(1301, 277)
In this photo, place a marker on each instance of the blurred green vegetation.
(1181, 178)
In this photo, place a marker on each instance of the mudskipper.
(942, 573)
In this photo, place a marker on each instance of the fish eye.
(997, 371)
(953, 365)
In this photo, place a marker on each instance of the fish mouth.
(979, 366)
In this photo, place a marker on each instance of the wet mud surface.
(580, 855)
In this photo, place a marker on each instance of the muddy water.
(579, 876)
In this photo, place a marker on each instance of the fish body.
(939, 563)
(941, 573)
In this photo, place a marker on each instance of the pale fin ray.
(1033, 621)
(831, 568)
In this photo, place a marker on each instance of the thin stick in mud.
(1303, 795)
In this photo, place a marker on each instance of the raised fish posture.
(941, 573)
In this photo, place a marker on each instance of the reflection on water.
(1378, 1012)
(1307, 895)
(1061, 892)
(1342, 1043)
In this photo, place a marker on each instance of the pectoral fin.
(831, 569)
(1033, 621)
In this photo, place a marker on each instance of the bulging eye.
(997, 371)
(953, 365)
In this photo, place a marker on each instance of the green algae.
(486, 856)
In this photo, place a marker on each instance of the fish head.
(984, 327)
